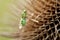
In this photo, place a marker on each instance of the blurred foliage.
(5, 18)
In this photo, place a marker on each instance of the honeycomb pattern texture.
(43, 19)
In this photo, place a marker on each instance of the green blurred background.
(6, 18)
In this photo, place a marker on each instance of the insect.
(23, 19)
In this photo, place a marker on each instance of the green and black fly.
(23, 19)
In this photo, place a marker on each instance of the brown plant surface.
(43, 19)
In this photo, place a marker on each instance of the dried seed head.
(44, 23)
